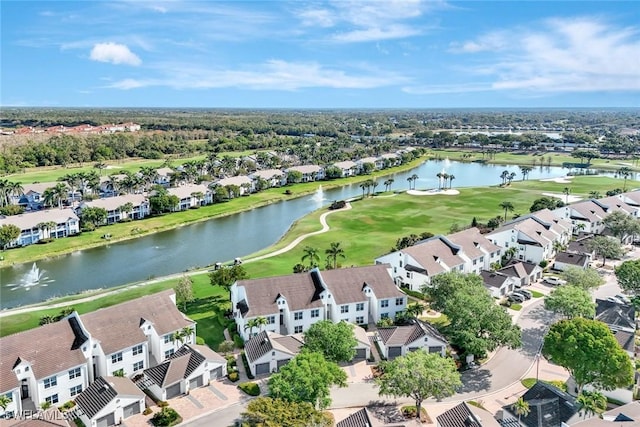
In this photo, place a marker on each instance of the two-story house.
(191, 195)
(243, 182)
(347, 168)
(292, 303)
(134, 206)
(587, 216)
(273, 178)
(45, 224)
(309, 172)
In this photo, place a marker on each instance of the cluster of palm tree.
(370, 187)
(81, 181)
(524, 170)
(625, 173)
(55, 195)
(443, 177)
(8, 190)
(311, 256)
(507, 177)
(183, 335)
(387, 184)
(412, 180)
(256, 322)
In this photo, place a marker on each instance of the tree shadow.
(385, 411)
(475, 380)
(532, 340)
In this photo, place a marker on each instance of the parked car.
(614, 300)
(622, 297)
(513, 297)
(525, 293)
(554, 280)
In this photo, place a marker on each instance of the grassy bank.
(368, 230)
(134, 229)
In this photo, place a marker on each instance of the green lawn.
(365, 232)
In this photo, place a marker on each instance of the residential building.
(309, 172)
(587, 216)
(498, 284)
(116, 207)
(163, 176)
(191, 195)
(110, 185)
(397, 341)
(192, 366)
(631, 198)
(109, 401)
(549, 407)
(292, 303)
(564, 260)
(535, 237)
(377, 162)
(268, 351)
(366, 417)
(32, 197)
(273, 177)
(363, 343)
(243, 182)
(623, 416)
(467, 251)
(35, 226)
(347, 168)
(466, 415)
(525, 273)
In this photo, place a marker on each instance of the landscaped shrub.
(238, 341)
(147, 411)
(338, 204)
(68, 405)
(200, 341)
(78, 422)
(245, 362)
(233, 376)
(163, 403)
(252, 389)
(543, 263)
(412, 412)
(415, 294)
(167, 417)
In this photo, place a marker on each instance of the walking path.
(29, 309)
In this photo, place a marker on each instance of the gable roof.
(118, 327)
(465, 415)
(305, 169)
(494, 279)
(30, 220)
(430, 254)
(268, 173)
(549, 404)
(34, 346)
(346, 284)
(267, 341)
(180, 365)
(577, 259)
(347, 164)
(357, 419)
(406, 334)
(472, 242)
(102, 391)
(113, 203)
(616, 316)
(580, 245)
(185, 191)
(234, 180)
(520, 269)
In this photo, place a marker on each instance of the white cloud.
(583, 54)
(114, 53)
(271, 75)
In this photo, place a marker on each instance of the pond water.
(215, 240)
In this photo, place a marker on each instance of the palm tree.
(511, 176)
(127, 208)
(252, 323)
(520, 408)
(566, 193)
(364, 187)
(451, 178)
(524, 170)
(374, 184)
(74, 181)
(4, 192)
(334, 252)
(592, 402)
(624, 172)
(4, 402)
(415, 309)
(183, 335)
(310, 254)
(100, 166)
(409, 181)
(14, 189)
(260, 322)
(504, 175)
(414, 177)
(594, 194)
(388, 183)
(439, 175)
(508, 207)
(148, 176)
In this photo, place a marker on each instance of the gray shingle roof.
(267, 341)
(357, 419)
(346, 284)
(493, 279)
(180, 365)
(549, 404)
(577, 259)
(616, 316)
(102, 391)
(466, 415)
(403, 335)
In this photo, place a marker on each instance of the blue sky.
(327, 54)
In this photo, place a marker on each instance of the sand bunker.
(563, 197)
(562, 180)
(433, 192)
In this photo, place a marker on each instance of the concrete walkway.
(29, 309)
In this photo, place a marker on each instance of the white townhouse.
(292, 303)
(191, 195)
(377, 162)
(347, 168)
(397, 341)
(467, 251)
(243, 182)
(116, 207)
(163, 176)
(309, 172)
(131, 336)
(587, 216)
(268, 351)
(273, 177)
(392, 159)
(533, 236)
(32, 195)
(45, 364)
(38, 225)
(192, 366)
(498, 284)
(109, 185)
(109, 401)
(525, 273)
(631, 198)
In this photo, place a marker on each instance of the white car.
(622, 297)
(554, 280)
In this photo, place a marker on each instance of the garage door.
(281, 363)
(195, 383)
(361, 353)
(107, 420)
(216, 373)
(414, 348)
(262, 368)
(395, 352)
(130, 410)
(173, 391)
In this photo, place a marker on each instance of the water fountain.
(319, 195)
(33, 277)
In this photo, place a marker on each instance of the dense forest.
(321, 135)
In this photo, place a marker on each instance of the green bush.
(167, 417)
(163, 403)
(528, 382)
(78, 422)
(200, 341)
(245, 362)
(543, 263)
(416, 294)
(68, 405)
(147, 411)
(252, 389)
(238, 341)
(233, 376)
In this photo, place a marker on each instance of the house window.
(168, 338)
(360, 306)
(297, 329)
(315, 313)
(271, 320)
(168, 353)
(138, 366)
(399, 301)
(297, 315)
(50, 382)
(475, 261)
(344, 309)
(360, 320)
(137, 350)
(115, 358)
(395, 269)
(401, 264)
(408, 275)
(75, 390)
(384, 316)
(74, 373)
(384, 303)
(52, 399)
